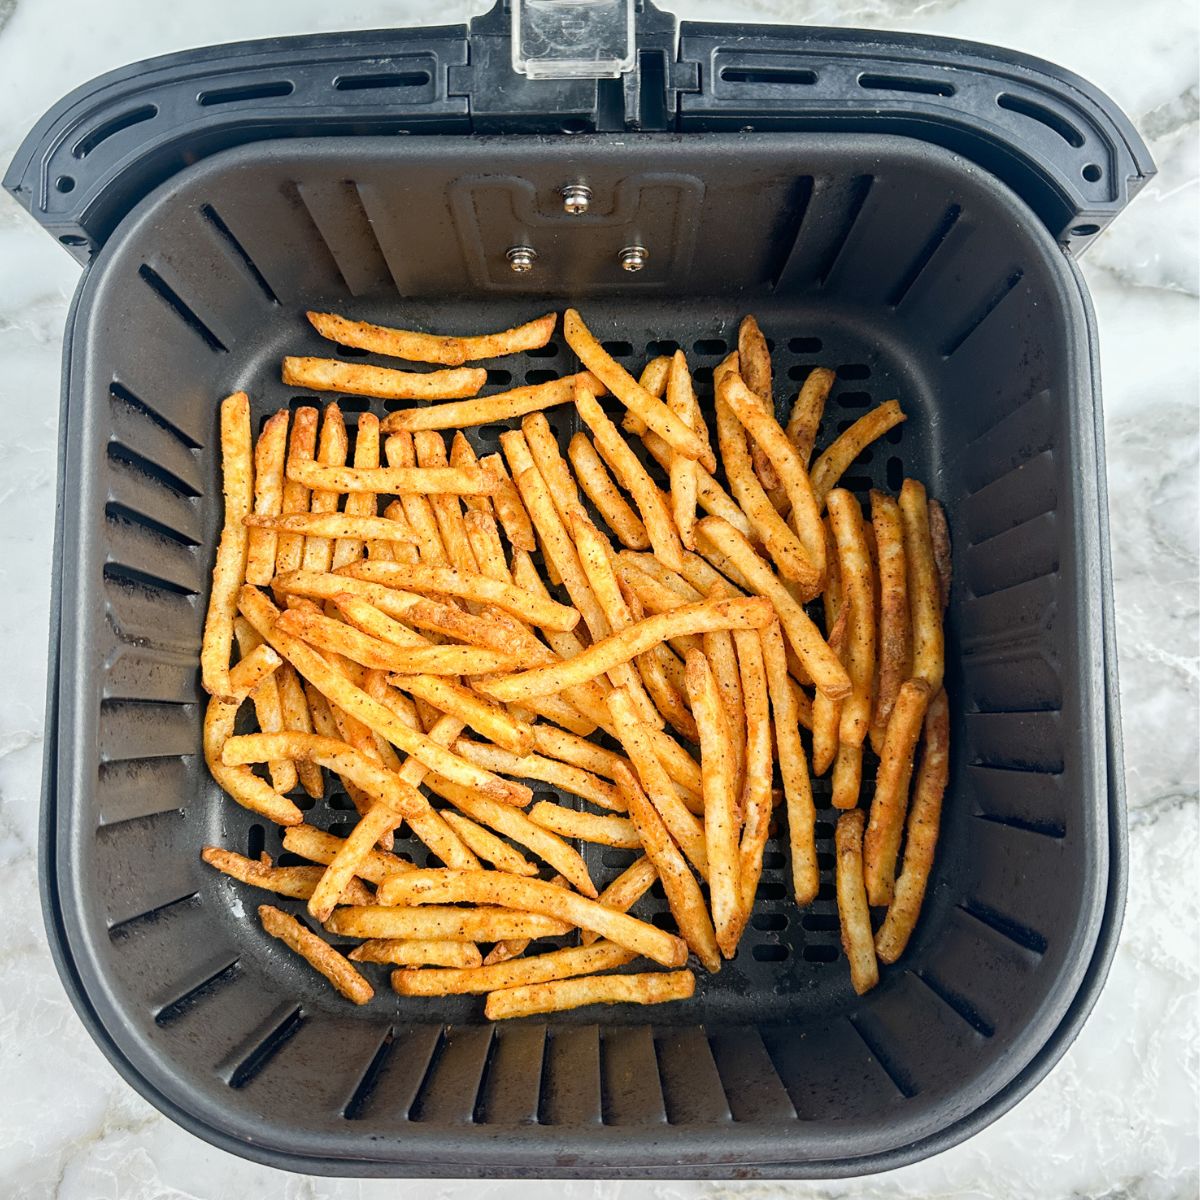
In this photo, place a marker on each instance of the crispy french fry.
(359, 379)
(488, 846)
(649, 408)
(615, 451)
(681, 400)
(756, 779)
(847, 776)
(332, 446)
(575, 780)
(657, 988)
(296, 717)
(584, 826)
(345, 527)
(510, 509)
(895, 630)
(599, 488)
(557, 964)
(480, 714)
(625, 891)
(430, 450)
(268, 708)
(543, 448)
(431, 347)
(662, 674)
(449, 481)
(296, 882)
(401, 454)
(654, 379)
(484, 535)
(361, 504)
(229, 569)
(416, 953)
(882, 843)
(754, 366)
(826, 711)
(924, 818)
(514, 947)
(270, 453)
(302, 446)
(535, 896)
(854, 564)
(442, 923)
(857, 941)
(924, 593)
(807, 411)
(847, 446)
(710, 495)
(319, 954)
(321, 847)
(718, 649)
(939, 534)
(720, 818)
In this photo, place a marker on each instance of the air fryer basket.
(908, 268)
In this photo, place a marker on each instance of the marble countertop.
(1118, 1116)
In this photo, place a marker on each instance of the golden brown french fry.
(515, 825)
(807, 411)
(882, 843)
(847, 446)
(536, 896)
(585, 826)
(557, 964)
(754, 366)
(755, 798)
(847, 776)
(720, 817)
(302, 446)
(296, 882)
(430, 450)
(662, 673)
(681, 400)
(515, 947)
(319, 954)
(559, 995)
(321, 847)
(826, 711)
(599, 488)
(857, 941)
(683, 892)
(487, 846)
(654, 379)
(449, 481)
(229, 570)
(510, 509)
(575, 780)
(480, 714)
(626, 466)
(721, 542)
(636, 398)
(854, 565)
(268, 707)
(296, 717)
(939, 533)
(269, 455)
(359, 379)
(543, 448)
(924, 818)
(710, 495)
(431, 347)
(332, 446)
(345, 527)
(924, 593)
(718, 649)
(895, 630)
(401, 454)
(625, 891)
(738, 613)
(442, 923)
(416, 953)
(360, 504)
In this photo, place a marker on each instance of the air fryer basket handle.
(1057, 141)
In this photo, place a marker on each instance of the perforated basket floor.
(917, 278)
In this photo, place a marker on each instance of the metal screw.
(634, 258)
(576, 199)
(521, 258)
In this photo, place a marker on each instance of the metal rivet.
(576, 199)
(634, 258)
(521, 258)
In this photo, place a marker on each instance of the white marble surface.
(1118, 1116)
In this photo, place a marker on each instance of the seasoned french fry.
(535, 896)
(401, 454)
(654, 379)
(442, 923)
(319, 954)
(480, 714)
(599, 488)
(449, 481)
(575, 780)
(754, 366)
(360, 504)
(543, 448)
(430, 347)
(415, 953)
(718, 649)
(320, 847)
(939, 534)
(895, 629)
(847, 446)
(332, 446)
(755, 804)
(585, 827)
(662, 673)
(658, 988)
(720, 818)
(710, 495)
(296, 717)
(269, 455)
(488, 846)
(484, 535)
(681, 400)
(924, 592)
(229, 569)
(296, 882)
(359, 379)
(342, 526)
(268, 708)
(924, 818)
(430, 450)
(557, 964)
(827, 711)
(302, 446)
(807, 411)
(847, 776)
(510, 509)
(625, 891)
(857, 941)
(854, 563)
(649, 408)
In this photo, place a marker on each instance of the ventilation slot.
(195, 995)
(431, 1068)
(787, 76)
(357, 1103)
(266, 1050)
(393, 79)
(223, 231)
(990, 307)
(116, 511)
(126, 925)
(249, 91)
(135, 116)
(121, 573)
(957, 1004)
(899, 83)
(1044, 116)
(899, 1077)
(1050, 829)
(168, 295)
(1021, 935)
(152, 470)
(859, 190)
(931, 247)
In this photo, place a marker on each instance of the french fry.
(647, 407)
(681, 400)
(343, 526)
(332, 446)
(939, 534)
(615, 451)
(269, 455)
(720, 818)
(510, 509)
(484, 535)
(415, 953)
(854, 564)
(881, 845)
(625, 891)
(430, 347)
(857, 941)
(807, 411)
(517, 827)
(401, 454)
(662, 674)
(482, 715)
(827, 711)
(710, 495)
(535, 896)
(584, 826)
(754, 366)
(557, 964)
(442, 923)
(543, 448)
(319, 954)
(575, 780)
(361, 504)
(737, 613)
(296, 882)
(321, 847)
(654, 379)
(449, 481)
(924, 818)
(755, 800)
(562, 994)
(924, 590)
(847, 446)
(296, 717)
(302, 446)
(229, 569)
(515, 947)
(718, 649)
(430, 450)
(895, 629)
(723, 543)
(575, 751)
(487, 846)
(847, 776)
(599, 488)
(267, 708)
(358, 379)
(683, 892)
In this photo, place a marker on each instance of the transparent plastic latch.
(572, 39)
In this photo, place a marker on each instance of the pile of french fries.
(395, 623)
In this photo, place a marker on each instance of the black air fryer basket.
(907, 210)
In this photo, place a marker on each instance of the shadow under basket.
(913, 273)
